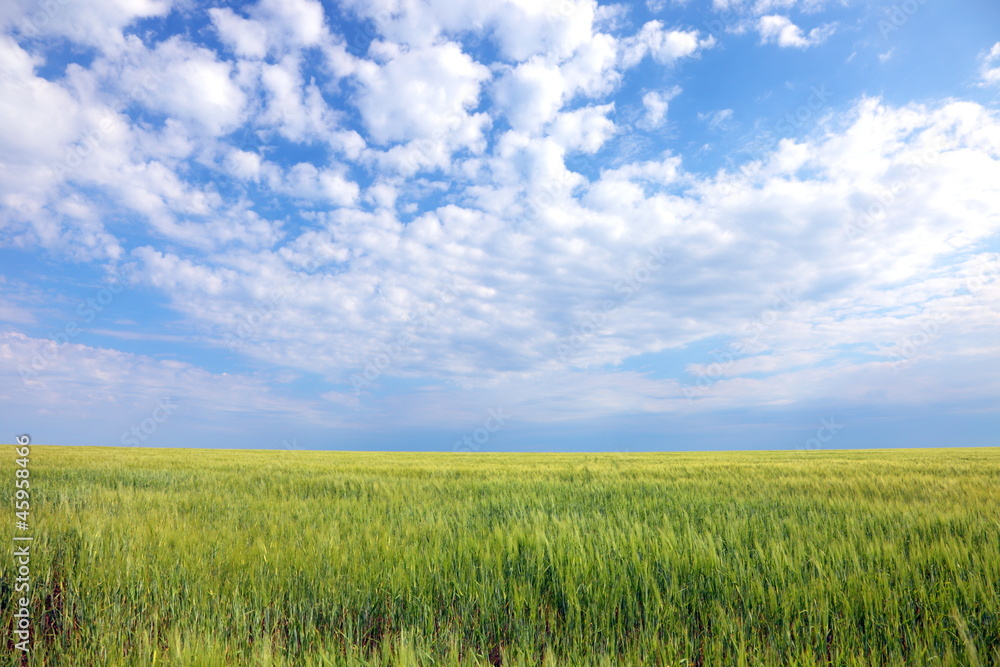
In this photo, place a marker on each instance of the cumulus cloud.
(189, 83)
(248, 38)
(51, 135)
(298, 110)
(776, 29)
(556, 28)
(662, 45)
(244, 164)
(584, 129)
(532, 94)
(97, 24)
(272, 26)
(989, 70)
(421, 93)
(305, 180)
(823, 236)
(655, 103)
(39, 116)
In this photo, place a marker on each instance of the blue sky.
(495, 226)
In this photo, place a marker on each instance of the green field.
(193, 557)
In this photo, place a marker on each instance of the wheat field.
(220, 557)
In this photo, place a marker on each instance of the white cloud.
(717, 120)
(89, 144)
(382, 195)
(990, 68)
(98, 23)
(273, 26)
(243, 164)
(584, 129)
(112, 391)
(555, 27)
(38, 116)
(766, 6)
(423, 93)
(531, 94)
(49, 135)
(248, 38)
(186, 82)
(623, 191)
(662, 45)
(302, 21)
(306, 181)
(520, 28)
(297, 110)
(776, 29)
(591, 70)
(523, 161)
(761, 7)
(522, 290)
(656, 104)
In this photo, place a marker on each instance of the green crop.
(201, 557)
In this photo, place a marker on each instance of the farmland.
(214, 557)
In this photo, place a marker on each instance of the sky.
(485, 226)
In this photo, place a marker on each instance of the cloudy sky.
(490, 226)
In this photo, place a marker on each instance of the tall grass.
(178, 557)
